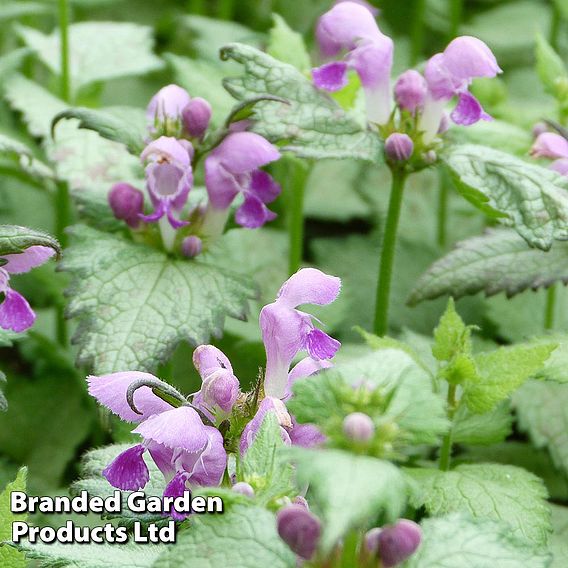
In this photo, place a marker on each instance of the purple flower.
(398, 542)
(196, 116)
(191, 246)
(399, 147)
(15, 312)
(286, 330)
(243, 488)
(269, 404)
(220, 387)
(299, 529)
(410, 90)
(351, 27)
(233, 168)
(305, 435)
(169, 178)
(127, 203)
(449, 74)
(552, 145)
(164, 111)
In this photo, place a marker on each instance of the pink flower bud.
(299, 529)
(399, 147)
(220, 390)
(539, 128)
(410, 90)
(191, 246)
(127, 203)
(243, 488)
(358, 427)
(398, 542)
(196, 116)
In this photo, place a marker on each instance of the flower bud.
(410, 90)
(399, 147)
(243, 488)
(191, 246)
(220, 390)
(302, 502)
(167, 104)
(196, 116)
(372, 541)
(358, 427)
(398, 542)
(127, 203)
(299, 529)
(538, 129)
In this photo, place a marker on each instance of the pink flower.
(554, 146)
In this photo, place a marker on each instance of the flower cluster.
(15, 311)
(350, 28)
(178, 126)
(183, 436)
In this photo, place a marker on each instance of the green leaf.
(203, 79)
(482, 429)
(92, 465)
(9, 557)
(503, 371)
(526, 196)
(542, 411)
(126, 125)
(17, 9)
(312, 125)
(556, 366)
(15, 240)
(451, 336)
(458, 541)
(136, 304)
(550, 67)
(288, 46)
(393, 370)
(488, 491)
(243, 537)
(349, 490)
(98, 51)
(129, 555)
(262, 467)
(23, 156)
(499, 261)
(559, 539)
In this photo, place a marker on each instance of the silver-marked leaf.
(98, 50)
(242, 537)
(24, 158)
(499, 261)
(487, 491)
(311, 124)
(126, 125)
(15, 240)
(559, 539)
(530, 198)
(349, 489)
(459, 541)
(542, 411)
(135, 304)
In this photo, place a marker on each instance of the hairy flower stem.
(64, 50)
(443, 191)
(555, 25)
(550, 307)
(417, 31)
(387, 253)
(297, 176)
(446, 451)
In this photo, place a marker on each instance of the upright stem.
(297, 175)
(387, 253)
(446, 451)
(196, 7)
(417, 30)
(456, 11)
(64, 50)
(555, 25)
(225, 9)
(550, 307)
(443, 191)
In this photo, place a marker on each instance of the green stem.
(297, 176)
(64, 50)
(443, 190)
(387, 253)
(62, 221)
(550, 307)
(446, 451)
(417, 30)
(225, 9)
(456, 11)
(555, 25)
(196, 7)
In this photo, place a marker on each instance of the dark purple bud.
(399, 147)
(191, 246)
(372, 541)
(127, 203)
(299, 529)
(358, 427)
(410, 90)
(196, 116)
(243, 488)
(398, 542)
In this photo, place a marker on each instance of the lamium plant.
(272, 233)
